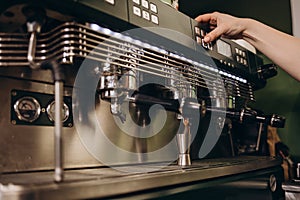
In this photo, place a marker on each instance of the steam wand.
(34, 29)
(35, 18)
(58, 77)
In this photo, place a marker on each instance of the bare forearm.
(281, 48)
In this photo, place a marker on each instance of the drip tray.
(104, 182)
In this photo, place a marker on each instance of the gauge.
(51, 112)
(27, 109)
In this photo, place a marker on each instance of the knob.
(249, 115)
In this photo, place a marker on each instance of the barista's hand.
(223, 25)
(283, 49)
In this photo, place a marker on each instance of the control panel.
(199, 37)
(121, 16)
(146, 10)
(228, 53)
(32, 108)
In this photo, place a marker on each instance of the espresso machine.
(116, 99)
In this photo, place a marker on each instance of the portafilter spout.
(183, 143)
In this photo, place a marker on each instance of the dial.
(51, 112)
(27, 108)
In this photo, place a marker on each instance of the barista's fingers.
(205, 18)
(214, 34)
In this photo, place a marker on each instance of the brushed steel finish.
(58, 131)
(36, 107)
(292, 189)
(184, 159)
(184, 143)
(71, 41)
(31, 147)
(27, 148)
(102, 182)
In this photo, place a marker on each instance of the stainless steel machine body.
(139, 100)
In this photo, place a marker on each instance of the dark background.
(275, 13)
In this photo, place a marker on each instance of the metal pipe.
(33, 28)
(58, 77)
(58, 174)
(259, 136)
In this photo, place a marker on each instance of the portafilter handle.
(276, 121)
(249, 115)
(267, 71)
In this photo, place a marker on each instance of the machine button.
(154, 19)
(145, 4)
(244, 54)
(198, 40)
(204, 44)
(243, 61)
(136, 2)
(236, 50)
(137, 11)
(153, 7)
(209, 45)
(240, 52)
(197, 30)
(146, 15)
(112, 2)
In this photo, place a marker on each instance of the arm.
(281, 48)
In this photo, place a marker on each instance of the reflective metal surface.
(157, 104)
(292, 189)
(108, 183)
